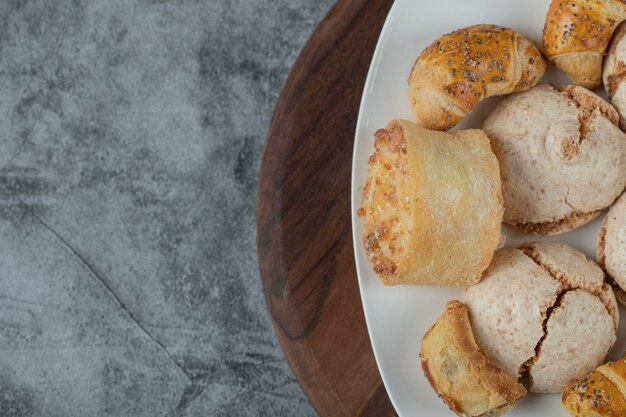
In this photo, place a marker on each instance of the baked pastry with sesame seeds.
(432, 205)
(461, 373)
(576, 34)
(562, 157)
(611, 247)
(463, 67)
(599, 394)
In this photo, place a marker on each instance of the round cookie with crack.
(614, 73)
(611, 247)
(562, 157)
(535, 310)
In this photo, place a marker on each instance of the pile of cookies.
(546, 161)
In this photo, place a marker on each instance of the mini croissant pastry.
(463, 67)
(461, 373)
(577, 33)
(600, 394)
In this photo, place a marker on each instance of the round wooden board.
(303, 216)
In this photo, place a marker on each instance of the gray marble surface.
(129, 152)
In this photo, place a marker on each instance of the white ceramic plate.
(398, 317)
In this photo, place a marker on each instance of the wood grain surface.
(303, 216)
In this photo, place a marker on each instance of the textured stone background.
(129, 151)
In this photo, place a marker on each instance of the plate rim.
(356, 240)
(554, 77)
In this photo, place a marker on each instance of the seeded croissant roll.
(577, 33)
(600, 394)
(463, 67)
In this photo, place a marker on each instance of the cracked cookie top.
(610, 247)
(562, 157)
(543, 313)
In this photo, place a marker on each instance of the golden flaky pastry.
(463, 67)
(461, 374)
(600, 394)
(432, 205)
(577, 33)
